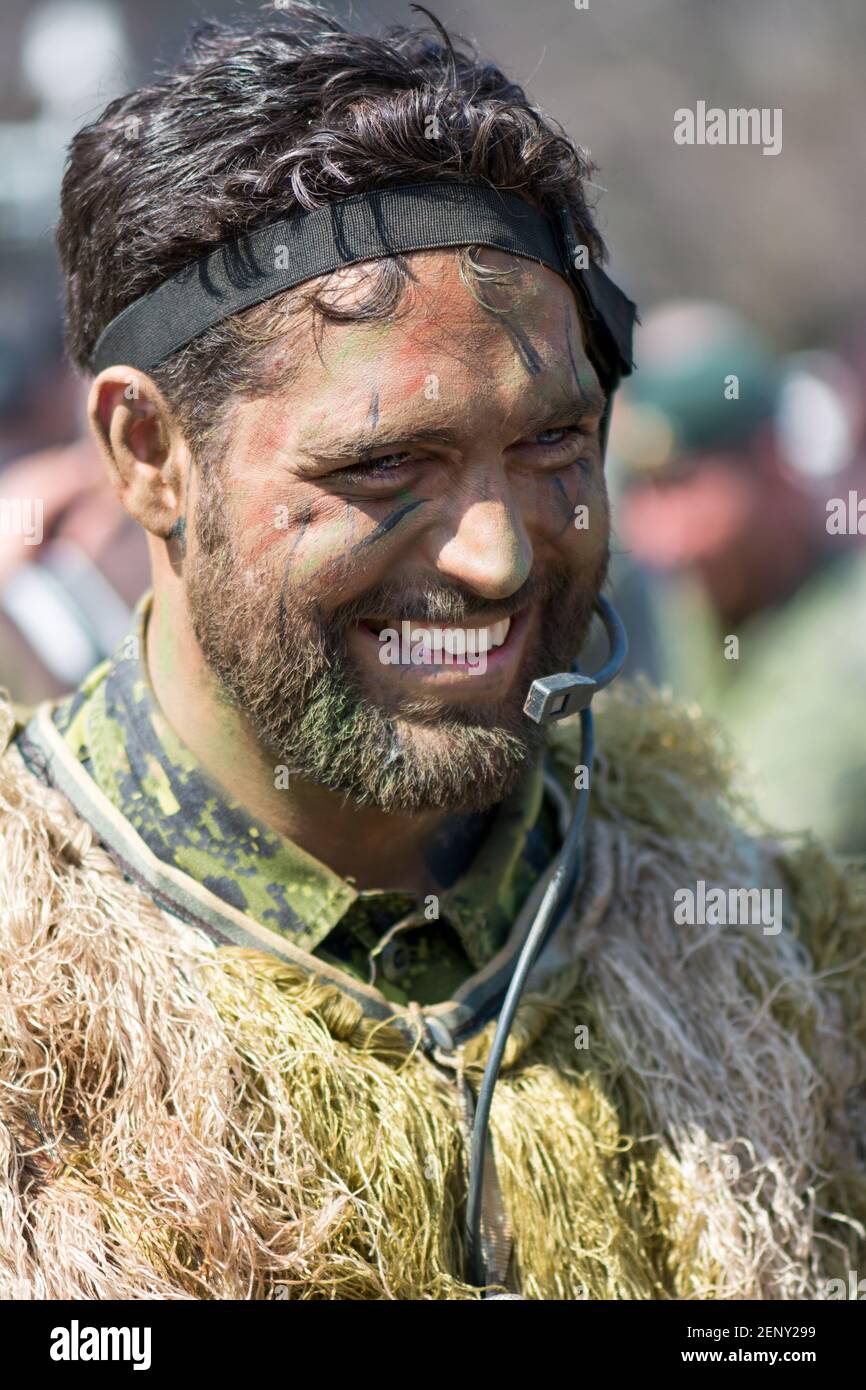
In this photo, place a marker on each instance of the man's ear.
(142, 445)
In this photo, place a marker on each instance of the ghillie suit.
(680, 1115)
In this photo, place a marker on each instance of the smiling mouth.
(448, 654)
(453, 641)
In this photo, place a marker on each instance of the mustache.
(449, 604)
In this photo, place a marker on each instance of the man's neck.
(420, 853)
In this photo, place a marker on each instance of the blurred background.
(738, 454)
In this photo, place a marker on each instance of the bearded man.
(264, 891)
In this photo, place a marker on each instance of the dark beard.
(293, 678)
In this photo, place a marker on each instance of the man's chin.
(450, 755)
(446, 760)
(452, 767)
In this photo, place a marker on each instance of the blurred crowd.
(72, 563)
(739, 474)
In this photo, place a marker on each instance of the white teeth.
(449, 644)
(457, 640)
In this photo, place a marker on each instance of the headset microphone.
(550, 698)
(556, 697)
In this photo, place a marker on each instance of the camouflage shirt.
(115, 728)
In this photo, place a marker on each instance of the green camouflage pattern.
(116, 729)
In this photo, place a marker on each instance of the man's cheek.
(583, 540)
(295, 539)
(341, 550)
(266, 529)
(313, 563)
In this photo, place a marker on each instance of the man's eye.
(368, 468)
(549, 439)
(375, 467)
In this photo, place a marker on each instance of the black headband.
(366, 226)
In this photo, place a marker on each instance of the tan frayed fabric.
(182, 1122)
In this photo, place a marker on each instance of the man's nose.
(487, 549)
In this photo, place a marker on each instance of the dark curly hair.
(261, 117)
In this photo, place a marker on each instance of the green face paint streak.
(305, 566)
(176, 538)
(360, 343)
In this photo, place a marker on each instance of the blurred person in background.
(72, 563)
(730, 461)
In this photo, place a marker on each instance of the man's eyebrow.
(579, 408)
(355, 446)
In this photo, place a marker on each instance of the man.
(268, 877)
(753, 583)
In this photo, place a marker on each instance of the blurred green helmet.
(704, 382)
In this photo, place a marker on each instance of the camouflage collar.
(116, 729)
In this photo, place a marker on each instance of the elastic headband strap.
(364, 227)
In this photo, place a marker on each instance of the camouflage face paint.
(393, 519)
(525, 348)
(299, 535)
(358, 343)
(281, 634)
(566, 504)
(583, 376)
(178, 533)
(176, 538)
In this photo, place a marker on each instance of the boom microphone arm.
(556, 697)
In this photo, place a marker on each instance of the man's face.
(696, 518)
(425, 470)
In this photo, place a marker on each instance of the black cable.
(561, 886)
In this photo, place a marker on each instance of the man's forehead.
(445, 302)
(445, 351)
